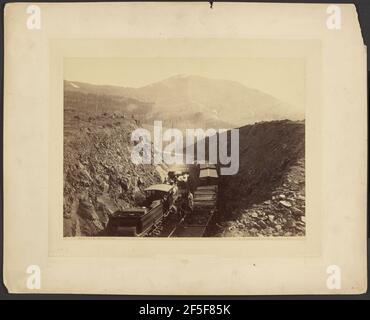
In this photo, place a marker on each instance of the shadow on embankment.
(267, 193)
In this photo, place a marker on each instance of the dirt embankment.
(267, 196)
(99, 177)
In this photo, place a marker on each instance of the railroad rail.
(194, 224)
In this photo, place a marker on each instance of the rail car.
(190, 209)
(158, 204)
(206, 194)
(204, 206)
(207, 165)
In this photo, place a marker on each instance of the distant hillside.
(90, 100)
(191, 101)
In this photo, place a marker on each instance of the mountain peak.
(181, 76)
(183, 96)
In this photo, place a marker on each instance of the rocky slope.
(99, 177)
(267, 196)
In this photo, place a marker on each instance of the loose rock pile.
(282, 215)
(267, 196)
(99, 176)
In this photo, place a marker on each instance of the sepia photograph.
(194, 114)
(184, 149)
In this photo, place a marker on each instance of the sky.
(283, 78)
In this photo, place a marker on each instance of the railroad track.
(192, 224)
(165, 228)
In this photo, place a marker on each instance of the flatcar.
(204, 204)
(207, 166)
(134, 222)
(205, 195)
